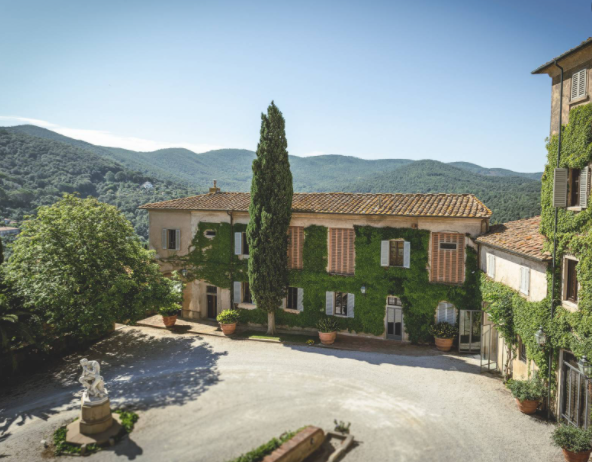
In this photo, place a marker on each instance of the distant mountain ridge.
(511, 195)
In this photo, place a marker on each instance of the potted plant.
(575, 442)
(327, 330)
(169, 314)
(528, 393)
(444, 334)
(227, 320)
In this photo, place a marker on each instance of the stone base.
(75, 436)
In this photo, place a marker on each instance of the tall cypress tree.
(270, 213)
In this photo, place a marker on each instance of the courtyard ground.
(211, 399)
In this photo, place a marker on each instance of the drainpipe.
(554, 267)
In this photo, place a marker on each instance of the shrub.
(573, 439)
(443, 330)
(532, 389)
(327, 325)
(228, 317)
(170, 310)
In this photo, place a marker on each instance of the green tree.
(270, 213)
(79, 268)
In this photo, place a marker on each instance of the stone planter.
(169, 321)
(327, 338)
(576, 456)
(528, 406)
(444, 344)
(228, 329)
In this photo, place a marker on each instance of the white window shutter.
(238, 243)
(384, 253)
(237, 292)
(164, 238)
(584, 181)
(450, 314)
(441, 312)
(177, 239)
(560, 188)
(330, 301)
(575, 85)
(583, 82)
(300, 299)
(350, 305)
(524, 280)
(491, 265)
(407, 254)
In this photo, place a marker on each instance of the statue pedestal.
(96, 424)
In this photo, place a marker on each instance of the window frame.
(343, 305)
(246, 290)
(443, 244)
(292, 298)
(244, 244)
(574, 181)
(400, 253)
(522, 354)
(210, 231)
(571, 271)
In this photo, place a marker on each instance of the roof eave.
(543, 259)
(541, 69)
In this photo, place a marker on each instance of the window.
(571, 281)
(241, 246)
(393, 301)
(524, 280)
(521, 351)
(247, 298)
(340, 304)
(574, 187)
(292, 298)
(295, 242)
(446, 312)
(491, 265)
(578, 84)
(171, 239)
(341, 251)
(210, 233)
(245, 244)
(396, 253)
(448, 258)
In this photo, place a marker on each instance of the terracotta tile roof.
(521, 237)
(424, 205)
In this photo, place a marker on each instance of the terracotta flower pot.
(528, 406)
(169, 321)
(327, 338)
(576, 456)
(444, 344)
(228, 329)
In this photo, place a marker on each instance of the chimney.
(214, 189)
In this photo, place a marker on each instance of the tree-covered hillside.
(35, 171)
(510, 198)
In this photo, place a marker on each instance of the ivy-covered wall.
(213, 260)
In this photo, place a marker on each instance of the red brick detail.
(295, 243)
(448, 265)
(341, 251)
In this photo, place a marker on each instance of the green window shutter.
(384, 253)
(329, 302)
(164, 238)
(407, 254)
(560, 188)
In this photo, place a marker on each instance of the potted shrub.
(327, 331)
(444, 334)
(227, 320)
(528, 393)
(575, 442)
(169, 314)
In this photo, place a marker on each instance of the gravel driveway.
(211, 399)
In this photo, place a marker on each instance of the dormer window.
(578, 85)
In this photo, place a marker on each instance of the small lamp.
(584, 366)
(363, 290)
(540, 337)
(184, 273)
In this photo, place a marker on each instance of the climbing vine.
(213, 260)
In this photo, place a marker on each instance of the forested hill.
(509, 197)
(36, 171)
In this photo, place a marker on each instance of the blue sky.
(375, 79)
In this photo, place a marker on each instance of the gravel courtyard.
(211, 399)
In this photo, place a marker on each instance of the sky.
(420, 79)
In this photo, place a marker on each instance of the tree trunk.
(271, 323)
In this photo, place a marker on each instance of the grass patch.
(258, 454)
(292, 338)
(61, 446)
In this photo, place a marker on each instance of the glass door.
(469, 331)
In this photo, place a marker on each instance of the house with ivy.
(552, 334)
(382, 265)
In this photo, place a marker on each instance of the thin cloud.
(105, 138)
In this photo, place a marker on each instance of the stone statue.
(93, 383)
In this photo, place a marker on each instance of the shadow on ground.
(141, 371)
